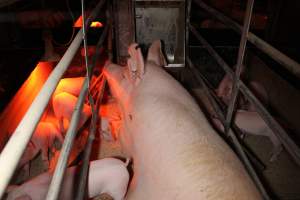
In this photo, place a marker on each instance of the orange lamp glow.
(18, 106)
(78, 23)
(94, 24)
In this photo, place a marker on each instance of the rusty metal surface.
(164, 20)
(187, 22)
(124, 28)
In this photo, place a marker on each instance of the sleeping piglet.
(176, 153)
(42, 140)
(63, 106)
(108, 175)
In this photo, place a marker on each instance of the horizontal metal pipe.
(275, 54)
(232, 135)
(15, 147)
(278, 131)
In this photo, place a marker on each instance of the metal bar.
(240, 60)
(219, 104)
(291, 65)
(287, 142)
(88, 70)
(235, 140)
(84, 168)
(15, 147)
(279, 132)
(11, 155)
(61, 165)
(187, 22)
(212, 52)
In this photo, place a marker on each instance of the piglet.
(224, 92)
(42, 140)
(108, 175)
(249, 122)
(69, 85)
(63, 106)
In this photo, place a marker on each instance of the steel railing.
(16, 145)
(238, 85)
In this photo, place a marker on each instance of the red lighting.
(78, 23)
(94, 24)
(20, 103)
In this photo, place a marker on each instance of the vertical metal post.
(232, 135)
(80, 194)
(240, 60)
(187, 30)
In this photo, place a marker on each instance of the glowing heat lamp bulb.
(94, 24)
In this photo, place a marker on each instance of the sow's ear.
(135, 63)
(155, 54)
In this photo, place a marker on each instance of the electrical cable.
(73, 28)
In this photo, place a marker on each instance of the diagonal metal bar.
(15, 147)
(86, 156)
(275, 54)
(61, 165)
(240, 60)
(11, 155)
(83, 176)
(278, 131)
(232, 135)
